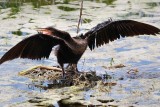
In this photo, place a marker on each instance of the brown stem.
(80, 16)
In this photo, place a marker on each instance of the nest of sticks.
(54, 79)
(54, 74)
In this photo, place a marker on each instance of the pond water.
(20, 18)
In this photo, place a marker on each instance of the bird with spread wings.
(70, 49)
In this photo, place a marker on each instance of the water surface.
(20, 18)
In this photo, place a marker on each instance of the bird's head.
(54, 32)
(47, 30)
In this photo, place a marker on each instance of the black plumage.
(71, 49)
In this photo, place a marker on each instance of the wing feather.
(112, 30)
(34, 47)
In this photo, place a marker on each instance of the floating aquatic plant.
(66, 8)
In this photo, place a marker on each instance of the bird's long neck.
(61, 34)
(65, 36)
(78, 45)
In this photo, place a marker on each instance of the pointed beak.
(44, 31)
(41, 30)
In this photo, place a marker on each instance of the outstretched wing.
(112, 30)
(34, 47)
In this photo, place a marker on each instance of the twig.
(80, 16)
(25, 72)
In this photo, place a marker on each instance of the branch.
(80, 16)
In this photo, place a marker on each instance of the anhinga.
(70, 49)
